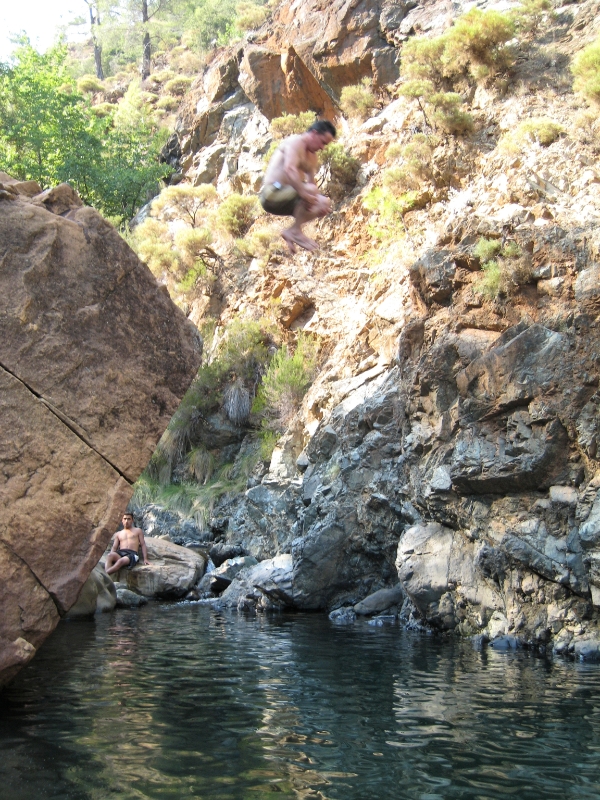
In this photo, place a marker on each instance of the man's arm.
(143, 546)
(295, 176)
(116, 543)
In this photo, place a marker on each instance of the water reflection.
(174, 701)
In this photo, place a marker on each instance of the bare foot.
(306, 243)
(289, 240)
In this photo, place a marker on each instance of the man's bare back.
(289, 187)
(126, 543)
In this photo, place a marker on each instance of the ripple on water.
(177, 701)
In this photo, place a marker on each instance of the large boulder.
(94, 361)
(172, 571)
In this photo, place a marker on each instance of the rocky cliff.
(449, 443)
(94, 359)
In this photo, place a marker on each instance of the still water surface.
(177, 702)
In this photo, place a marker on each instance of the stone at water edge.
(172, 572)
(97, 595)
(94, 361)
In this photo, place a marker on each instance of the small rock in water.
(343, 616)
(129, 599)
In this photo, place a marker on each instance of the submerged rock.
(97, 594)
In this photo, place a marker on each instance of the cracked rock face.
(94, 359)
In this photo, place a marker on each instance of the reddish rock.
(94, 359)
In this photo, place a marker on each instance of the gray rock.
(129, 599)
(343, 616)
(97, 595)
(379, 601)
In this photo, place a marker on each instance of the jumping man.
(289, 187)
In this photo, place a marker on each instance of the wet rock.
(380, 601)
(98, 594)
(128, 599)
(343, 616)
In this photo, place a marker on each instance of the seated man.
(289, 187)
(124, 551)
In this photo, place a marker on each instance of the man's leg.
(114, 562)
(302, 214)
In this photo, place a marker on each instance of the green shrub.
(491, 283)
(540, 130)
(290, 124)
(339, 163)
(250, 16)
(503, 267)
(192, 243)
(103, 110)
(586, 69)
(422, 62)
(415, 166)
(388, 206)
(285, 383)
(358, 101)
(238, 212)
(162, 77)
(448, 115)
(474, 47)
(88, 84)
(529, 13)
(151, 240)
(168, 103)
(185, 202)
(475, 44)
(487, 249)
(178, 86)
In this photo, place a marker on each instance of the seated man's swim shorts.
(131, 555)
(278, 199)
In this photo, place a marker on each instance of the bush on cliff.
(238, 212)
(586, 69)
(536, 130)
(290, 124)
(358, 101)
(473, 48)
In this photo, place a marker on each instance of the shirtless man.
(289, 187)
(124, 551)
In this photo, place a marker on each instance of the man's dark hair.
(323, 126)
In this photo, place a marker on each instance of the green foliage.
(475, 44)
(178, 86)
(448, 115)
(586, 69)
(340, 168)
(250, 16)
(162, 76)
(102, 110)
(290, 124)
(491, 283)
(388, 206)
(238, 212)
(89, 84)
(358, 101)
(487, 249)
(415, 163)
(185, 202)
(152, 242)
(285, 383)
(540, 130)
(503, 267)
(474, 48)
(168, 103)
(529, 13)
